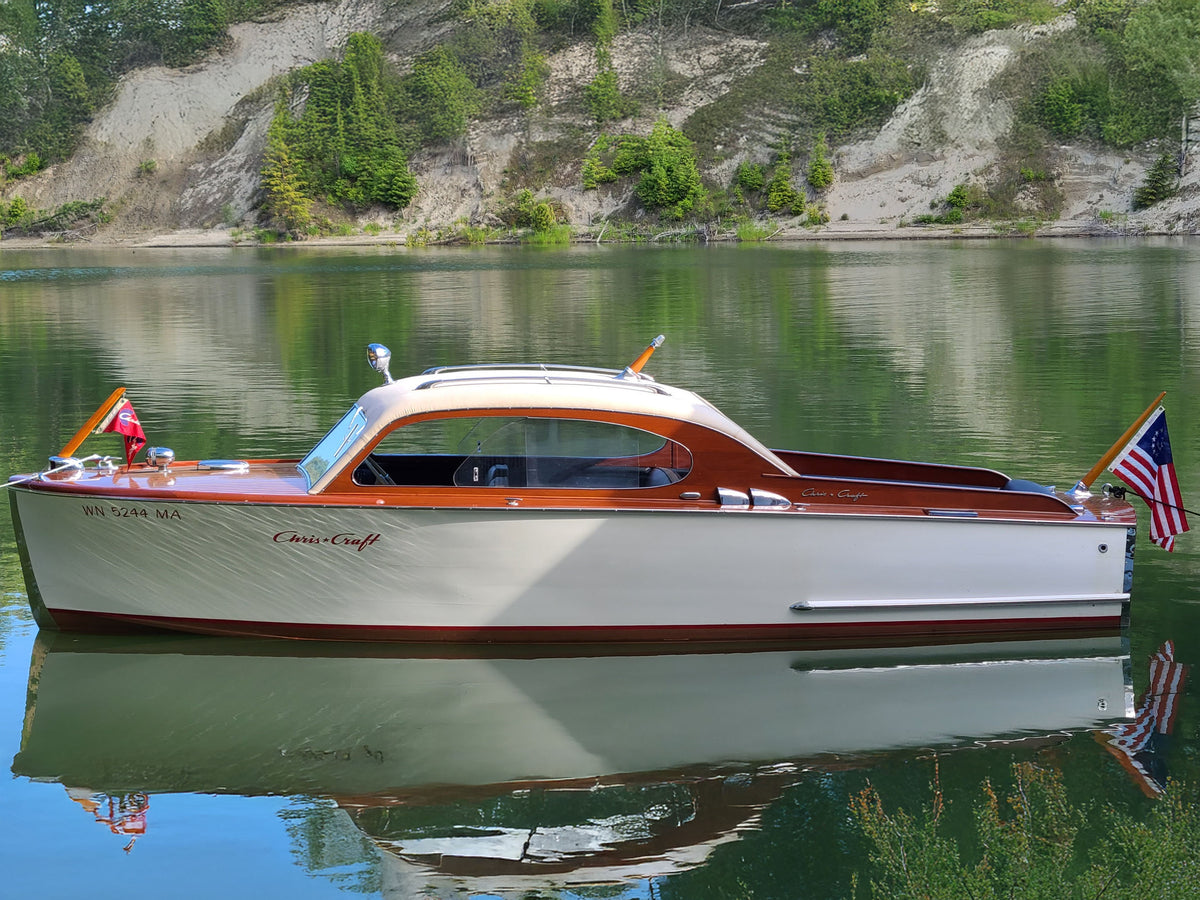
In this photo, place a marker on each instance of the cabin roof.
(537, 387)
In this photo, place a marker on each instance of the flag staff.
(73, 444)
(1086, 482)
(636, 366)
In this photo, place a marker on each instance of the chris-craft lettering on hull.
(562, 503)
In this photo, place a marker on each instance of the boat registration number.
(128, 512)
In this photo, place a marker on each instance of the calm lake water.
(197, 767)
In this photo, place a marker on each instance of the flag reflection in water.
(1141, 745)
(124, 814)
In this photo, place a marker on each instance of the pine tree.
(820, 169)
(286, 201)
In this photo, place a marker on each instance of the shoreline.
(196, 238)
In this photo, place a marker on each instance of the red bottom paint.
(855, 632)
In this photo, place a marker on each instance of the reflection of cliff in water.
(504, 770)
(974, 329)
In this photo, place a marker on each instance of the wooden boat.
(562, 503)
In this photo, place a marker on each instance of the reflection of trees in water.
(326, 845)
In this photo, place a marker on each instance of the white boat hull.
(524, 574)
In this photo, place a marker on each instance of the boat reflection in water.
(517, 772)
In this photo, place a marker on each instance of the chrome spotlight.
(380, 358)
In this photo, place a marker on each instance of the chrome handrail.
(65, 464)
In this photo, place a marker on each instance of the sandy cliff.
(205, 128)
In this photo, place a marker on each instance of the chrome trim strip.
(805, 605)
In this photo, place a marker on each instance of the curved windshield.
(521, 451)
(331, 447)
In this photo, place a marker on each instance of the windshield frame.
(336, 442)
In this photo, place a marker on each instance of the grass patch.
(750, 232)
(556, 235)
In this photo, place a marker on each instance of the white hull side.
(518, 568)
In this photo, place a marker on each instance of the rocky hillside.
(179, 150)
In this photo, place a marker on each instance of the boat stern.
(1109, 506)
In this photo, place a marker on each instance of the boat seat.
(1032, 487)
(657, 476)
(497, 475)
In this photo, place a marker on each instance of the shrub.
(957, 202)
(984, 15)
(839, 94)
(670, 177)
(604, 100)
(525, 81)
(526, 211)
(595, 172)
(31, 164)
(665, 161)
(439, 96)
(387, 178)
(750, 177)
(1030, 843)
(1059, 109)
(17, 210)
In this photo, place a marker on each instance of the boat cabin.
(527, 427)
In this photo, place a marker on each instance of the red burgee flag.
(1147, 466)
(125, 421)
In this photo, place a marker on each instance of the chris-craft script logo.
(852, 496)
(358, 542)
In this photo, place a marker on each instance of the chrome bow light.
(380, 358)
(160, 457)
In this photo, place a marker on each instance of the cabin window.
(521, 451)
(333, 445)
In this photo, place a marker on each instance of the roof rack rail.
(536, 367)
(544, 377)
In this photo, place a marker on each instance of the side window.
(515, 451)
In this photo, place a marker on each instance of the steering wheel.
(381, 475)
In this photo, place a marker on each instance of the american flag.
(1146, 466)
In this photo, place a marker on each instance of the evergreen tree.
(781, 196)
(820, 169)
(286, 200)
(1160, 182)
